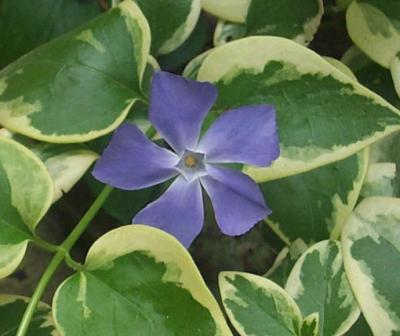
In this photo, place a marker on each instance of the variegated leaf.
(380, 180)
(310, 325)
(284, 262)
(371, 75)
(137, 278)
(371, 250)
(314, 205)
(257, 306)
(26, 193)
(338, 117)
(226, 31)
(360, 328)
(341, 66)
(192, 68)
(374, 26)
(66, 164)
(297, 20)
(169, 31)
(81, 85)
(26, 24)
(319, 284)
(230, 10)
(12, 308)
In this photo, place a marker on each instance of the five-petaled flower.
(178, 106)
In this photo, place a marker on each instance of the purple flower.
(178, 107)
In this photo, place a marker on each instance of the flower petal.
(179, 211)
(131, 161)
(178, 107)
(247, 135)
(236, 198)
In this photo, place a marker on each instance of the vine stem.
(62, 252)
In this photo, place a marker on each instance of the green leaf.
(341, 66)
(374, 26)
(230, 10)
(257, 306)
(66, 164)
(226, 31)
(194, 45)
(380, 180)
(343, 4)
(323, 116)
(395, 70)
(137, 278)
(371, 250)
(81, 85)
(26, 24)
(320, 200)
(310, 325)
(171, 22)
(192, 68)
(371, 75)
(297, 20)
(319, 284)
(284, 262)
(360, 328)
(26, 193)
(12, 308)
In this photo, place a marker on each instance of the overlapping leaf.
(169, 31)
(26, 193)
(12, 308)
(66, 164)
(323, 115)
(231, 10)
(371, 250)
(314, 205)
(257, 306)
(80, 85)
(137, 278)
(374, 26)
(319, 285)
(297, 20)
(26, 24)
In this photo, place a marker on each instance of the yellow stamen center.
(191, 161)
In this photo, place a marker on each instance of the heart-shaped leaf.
(319, 284)
(12, 308)
(257, 306)
(137, 278)
(80, 85)
(371, 251)
(323, 116)
(26, 193)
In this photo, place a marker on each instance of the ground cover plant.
(194, 167)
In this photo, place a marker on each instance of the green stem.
(62, 252)
(45, 245)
